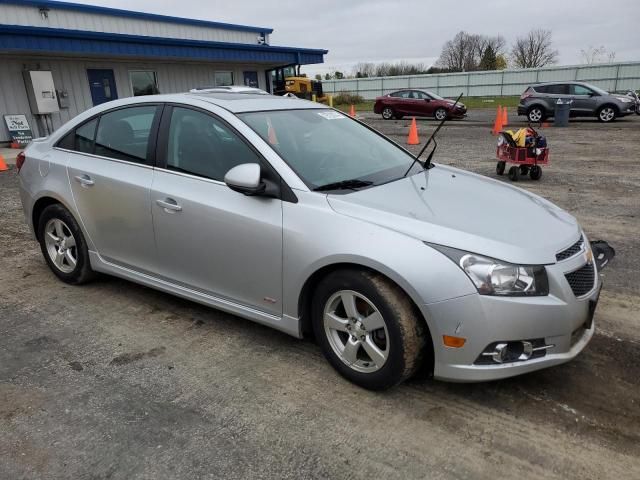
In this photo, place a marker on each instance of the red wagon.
(525, 160)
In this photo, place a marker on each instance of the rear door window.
(124, 134)
(558, 89)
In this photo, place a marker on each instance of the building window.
(144, 83)
(222, 79)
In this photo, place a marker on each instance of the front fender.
(315, 237)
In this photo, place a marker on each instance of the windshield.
(435, 96)
(325, 146)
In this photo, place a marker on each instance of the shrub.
(347, 98)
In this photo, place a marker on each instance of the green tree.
(489, 59)
(327, 76)
(339, 75)
(318, 77)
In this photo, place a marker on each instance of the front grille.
(571, 251)
(581, 281)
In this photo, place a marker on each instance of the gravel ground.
(113, 380)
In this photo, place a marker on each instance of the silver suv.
(538, 102)
(301, 218)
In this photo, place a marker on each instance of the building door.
(102, 84)
(251, 79)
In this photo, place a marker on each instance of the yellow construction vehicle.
(289, 80)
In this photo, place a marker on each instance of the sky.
(414, 30)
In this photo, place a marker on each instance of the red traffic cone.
(3, 165)
(505, 117)
(413, 139)
(352, 111)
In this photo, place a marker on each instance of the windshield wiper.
(352, 184)
(427, 163)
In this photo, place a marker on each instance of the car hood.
(459, 209)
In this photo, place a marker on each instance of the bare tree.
(364, 69)
(534, 50)
(592, 55)
(460, 53)
(465, 51)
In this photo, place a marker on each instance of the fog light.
(514, 351)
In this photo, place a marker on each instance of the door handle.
(169, 205)
(84, 180)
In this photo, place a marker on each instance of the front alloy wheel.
(607, 114)
(356, 331)
(387, 113)
(440, 114)
(368, 329)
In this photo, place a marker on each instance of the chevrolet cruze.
(296, 216)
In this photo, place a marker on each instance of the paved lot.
(113, 380)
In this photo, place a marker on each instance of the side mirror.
(427, 99)
(245, 179)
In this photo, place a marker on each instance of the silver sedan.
(298, 217)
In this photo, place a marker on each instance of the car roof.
(233, 102)
(559, 82)
(249, 102)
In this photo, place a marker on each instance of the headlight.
(625, 100)
(495, 277)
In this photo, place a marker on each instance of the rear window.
(555, 89)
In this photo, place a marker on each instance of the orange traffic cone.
(271, 133)
(497, 124)
(3, 165)
(505, 117)
(545, 125)
(413, 133)
(352, 112)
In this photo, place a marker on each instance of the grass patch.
(366, 106)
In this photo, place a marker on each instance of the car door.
(110, 175)
(584, 100)
(555, 92)
(209, 237)
(424, 104)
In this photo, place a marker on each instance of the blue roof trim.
(117, 12)
(57, 40)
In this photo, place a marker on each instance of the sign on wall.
(19, 129)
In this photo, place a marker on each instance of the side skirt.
(285, 323)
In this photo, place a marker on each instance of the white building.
(97, 54)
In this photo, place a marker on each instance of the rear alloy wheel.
(63, 245)
(387, 113)
(535, 115)
(607, 114)
(535, 173)
(500, 167)
(367, 328)
(440, 114)
(513, 173)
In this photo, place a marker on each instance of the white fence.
(609, 76)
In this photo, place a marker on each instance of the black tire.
(407, 338)
(535, 173)
(524, 170)
(388, 113)
(81, 272)
(500, 166)
(440, 114)
(607, 113)
(513, 173)
(536, 114)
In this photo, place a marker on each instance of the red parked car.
(419, 103)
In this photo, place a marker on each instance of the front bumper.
(561, 319)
